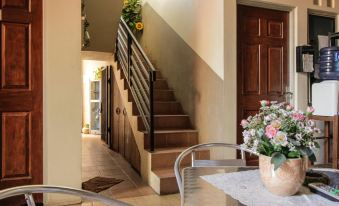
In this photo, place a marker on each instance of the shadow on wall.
(196, 85)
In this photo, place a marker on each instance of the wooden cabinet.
(122, 138)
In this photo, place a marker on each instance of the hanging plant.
(131, 13)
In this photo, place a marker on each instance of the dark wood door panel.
(15, 63)
(16, 148)
(251, 61)
(275, 29)
(16, 4)
(252, 26)
(275, 71)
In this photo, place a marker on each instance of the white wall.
(200, 24)
(62, 95)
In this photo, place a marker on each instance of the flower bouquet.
(283, 138)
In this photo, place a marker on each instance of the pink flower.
(244, 123)
(289, 107)
(270, 131)
(264, 103)
(309, 110)
(298, 116)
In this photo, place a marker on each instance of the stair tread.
(164, 172)
(169, 150)
(167, 102)
(173, 131)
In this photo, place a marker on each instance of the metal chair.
(28, 192)
(208, 163)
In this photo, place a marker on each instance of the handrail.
(137, 43)
(136, 67)
(33, 189)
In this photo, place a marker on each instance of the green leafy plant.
(131, 13)
(280, 132)
(97, 73)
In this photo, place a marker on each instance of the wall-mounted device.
(305, 61)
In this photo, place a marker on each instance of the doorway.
(262, 60)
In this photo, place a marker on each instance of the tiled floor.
(98, 160)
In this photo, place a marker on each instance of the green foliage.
(277, 159)
(131, 13)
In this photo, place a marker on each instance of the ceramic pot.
(287, 179)
(85, 130)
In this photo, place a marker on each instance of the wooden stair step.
(168, 182)
(166, 157)
(167, 108)
(172, 138)
(166, 95)
(162, 108)
(167, 122)
(161, 84)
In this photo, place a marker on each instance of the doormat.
(98, 184)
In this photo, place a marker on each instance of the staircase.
(173, 134)
(163, 117)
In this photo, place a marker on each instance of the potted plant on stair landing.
(284, 140)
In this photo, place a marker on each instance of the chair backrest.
(27, 191)
(208, 163)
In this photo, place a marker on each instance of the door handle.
(117, 110)
(287, 94)
(0, 14)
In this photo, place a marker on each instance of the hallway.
(99, 160)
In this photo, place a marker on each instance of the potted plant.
(131, 13)
(284, 140)
(85, 129)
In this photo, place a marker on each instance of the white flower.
(253, 132)
(280, 139)
(246, 133)
(298, 136)
(317, 130)
(267, 118)
(291, 147)
(311, 123)
(301, 124)
(311, 145)
(308, 130)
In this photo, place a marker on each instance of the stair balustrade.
(139, 74)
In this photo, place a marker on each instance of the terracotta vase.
(287, 179)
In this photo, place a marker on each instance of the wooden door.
(121, 127)
(116, 116)
(21, 95)
(262, 52)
